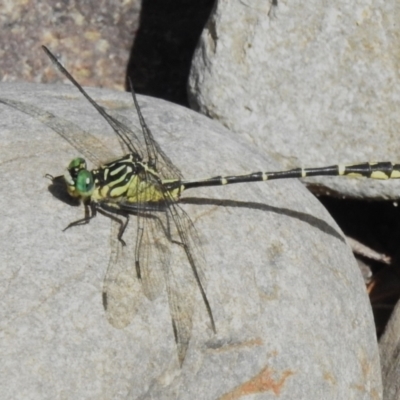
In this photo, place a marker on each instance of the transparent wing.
(128, 137)
(162, 260)
(185, 276)
(85, 143)
(156, 157)
(191, 244)
(181, 289)
(122, 292)
(141, 262)
(163, 265)
(152, 254)
(167, 255)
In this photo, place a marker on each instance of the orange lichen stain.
(366, 367)
(375, 395)
(364, 383)
(262, 382)
(249, 343)
(330, 378)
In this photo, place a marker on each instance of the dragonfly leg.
(123, 224)
(90, 212)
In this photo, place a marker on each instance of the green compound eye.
(77, 164)
(71, 174)
(84, 183)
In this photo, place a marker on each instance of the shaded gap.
(162, 52)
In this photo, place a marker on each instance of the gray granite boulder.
(389, 346)
(292, 315)
(309, 83)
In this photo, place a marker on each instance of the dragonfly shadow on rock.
(311, 220)
(58, 189)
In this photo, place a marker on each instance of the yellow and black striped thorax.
(128, 180)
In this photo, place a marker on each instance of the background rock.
(151, 41)
(309, 83)
(390, 356)
(93, 37)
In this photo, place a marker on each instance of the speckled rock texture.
(309, 83)
(93, 37)
(389, 346)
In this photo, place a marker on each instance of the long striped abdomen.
(378, 170)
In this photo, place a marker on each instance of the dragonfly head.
(79, 179)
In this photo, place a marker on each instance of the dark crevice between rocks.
(162, 53)
(375, 224)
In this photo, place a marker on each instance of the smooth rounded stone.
(390, 357)
(309, 83)
(292, 315)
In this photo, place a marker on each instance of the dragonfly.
(146, 184)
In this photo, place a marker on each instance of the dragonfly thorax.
(125, 179)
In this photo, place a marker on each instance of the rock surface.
(389, 346)
(292, 315)
(93, 37)
(310, 83)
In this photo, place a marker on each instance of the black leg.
(123, 224)
(86, 219)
